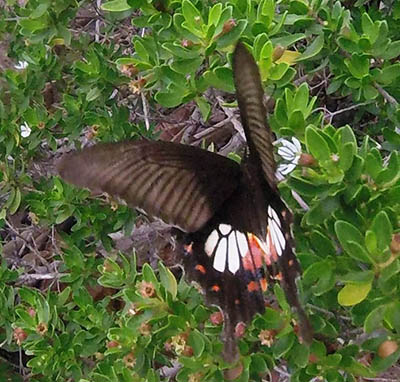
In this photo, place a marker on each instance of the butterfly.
(234, 229)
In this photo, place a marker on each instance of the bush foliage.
(73, 73)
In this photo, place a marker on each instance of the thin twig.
(300, 200)
(39, 276)
(145, 111)
(386, 95)
(327, 312)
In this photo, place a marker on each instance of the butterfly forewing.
(250, 94)
(182, 185)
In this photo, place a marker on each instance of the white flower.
(290, 152)
(21, 65)
(25, 130)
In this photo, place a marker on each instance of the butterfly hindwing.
(183, 185)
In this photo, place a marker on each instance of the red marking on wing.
(253, 286)
(253, 258)
(200, 268)
(215, 288)
(264, 284)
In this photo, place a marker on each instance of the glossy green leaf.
(116, 6)
(193, 19)
(369, 28)
(382, 228)
(168, 280)
(283, 345)
(348, 233)
(374, 319)
(204, 107)
(353, 294)
(16, 201)
(149, 275)
(322, 210)
(313, 49)
(197, 343)
(317, 145)
(373, 165)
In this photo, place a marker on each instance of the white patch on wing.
(233, 256)
(242, 243)
(220, 255)
(225, 229)
(273, 215)
(274, 228)
(211, 243)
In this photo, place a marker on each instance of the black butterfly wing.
(182, 185)
(249, 93)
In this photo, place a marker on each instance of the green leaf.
(320, 277)
(392, 137)
(353, 294)
(301, 98)
(179, 51)
(358, 65)
(300, 355)
(296, 121)
(278, 71)
(288, 40)
(391, 174)
(312, 50)
(40, 10)
(346, 155)
(168, 280)
(197, 343)
(316, 144)
(16, 201)
(356, 368)
(221, 78)
(116, 6)
(371, 242)
(149, 275)
(322, 210)
(369, 27)
(204, 107)
(34, 25)
(168, 99)
(358, 277)
(373, 165)
(392, 50)
(370, 92)
(305, 187)
(374, 319)
(93, 94)
(388, 74)
(193, 18)
(346, 233)
(215, 14)
(382, 228)
(283, 345)
(358, 252)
